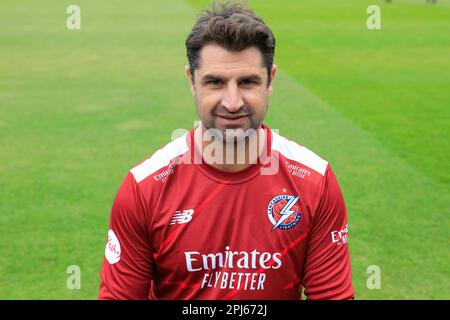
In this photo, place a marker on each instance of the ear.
(187, 70)
(272, 74)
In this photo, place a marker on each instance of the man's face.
(231, 89)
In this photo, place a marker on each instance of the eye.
(213, 82)
(247, 82)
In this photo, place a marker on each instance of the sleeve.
(327, 271)
(126, 271)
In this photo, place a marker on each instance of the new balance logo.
(180, 217)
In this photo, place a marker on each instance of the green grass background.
(79, 108)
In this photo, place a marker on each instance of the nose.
(232, 98)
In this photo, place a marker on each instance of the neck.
(231, 156)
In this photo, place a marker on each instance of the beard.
(232, 127)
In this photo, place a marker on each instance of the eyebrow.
(252, 77)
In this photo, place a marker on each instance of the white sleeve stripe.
(160, 158)
(293, 151)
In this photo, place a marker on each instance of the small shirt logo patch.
(180, 217)
(112, 250)
(283, 212)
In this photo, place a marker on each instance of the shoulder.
(314, 174)
(299, 154)
(161, 160)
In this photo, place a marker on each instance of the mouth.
(235, 121)
(232, 117)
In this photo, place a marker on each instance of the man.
(230, 210)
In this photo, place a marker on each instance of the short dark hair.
(234, 27)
